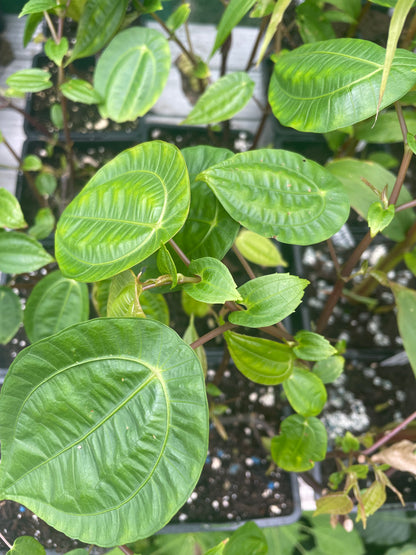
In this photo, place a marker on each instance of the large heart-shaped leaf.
(104, 429)
(133, 204)
(55, 303)
(131, 73)
(10, 306)
(279, 194)
(20, 253)
(326, 85)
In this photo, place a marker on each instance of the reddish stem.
(387, 437)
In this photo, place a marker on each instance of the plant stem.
(5, 541)
(262, 28)
(212, 334)
(51, 27)
(244, 263)
(406, 205)
(387, 437)
(407, 156)
(260, 129)
(28, 117)
(124, 549)
(179, 252)
(402, 121)
(410, 35)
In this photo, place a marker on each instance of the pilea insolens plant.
(104, 422)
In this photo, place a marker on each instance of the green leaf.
(379, 217)
(260, 360)
(349, 443)
(305, 392)
(31, 24)
(327, 85)
(99, 297)
(11, 214)
(217, 284)
(208, 230)
(334, 504)
(373, 498)
(222, 100)
(384, 159)
(301, 442)
(189, 337)
(283, 539)
(20, 253)
(131, 73)
(123, 296)
(269, 299)
(350, 7)
(10, 305)
(406, 319)
(178, 17)
(99, 21)
(279, 194)
(57, 116)
(31, 163)
(79, 90)
(233, 14)
(56, 51)
(387, 128)
(135, 202)
(35, 6)
(155, 306)
(312, 22)
(192, 306)
(262, 8)
(329, 369)
(275, 20)
(386, 3)
(312, 346)
(25, 545)
(410, 260)
(166, 265)
(336, 540)
(259, 249)
(80, 551)
(351, 173)
(247, 539)
(44, 224)
(105, 407)
(411, 141)
(30, 80)
(386, 528)
(46, 183)
(54, 304)
(217, 549)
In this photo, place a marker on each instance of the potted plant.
(105, 421)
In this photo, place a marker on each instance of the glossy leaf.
(312, 346)
(268, 300)
(35, 6)
(379, 217)
(178, 17)
(123, 296)
(57, 116)
(54, 304)
(259, 249)
(44, 224)
(31, 163)
(20, 253)
(99, 21)
(56, 51)
(217, 284)
(131, 73)
(279, 194)
(260, 360)
(329, 369)
(10, 306)
(386, 129)
(247, 539)
(79, 90)
(134, 203)
(406, 319)
(222, 100)
(334, 504)
(30, 80)
(99, 297)
(155, 306)
(301, 442)
(105, 407)
(351, 173)
(305, 392)
(166, 265)
(275, 20)
(11, 215)
(233, 14)
(46, 183)
(327, 85)
(189, 337)
(25, 545)
(208, 229)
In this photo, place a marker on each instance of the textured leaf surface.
(334, 504)
(305, 392)
(312, 346)
(155, 306)
(10, 306)
(259, 249)
(222, 100)
(103, 422)
(327, 85)
(56, 51)
(279, 194)
(406, 319)
(131, 73)
(79, 90)
(30, 80)
(99, 21)
(260, 360)
(55, 303)
(217, 284)
(123, 296)
(11, 214)
(234, 13)
(386, 129)
(20, 253)
(269, 299)
(379, 217)
(133, 204)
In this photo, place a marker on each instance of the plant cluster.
(104, 421)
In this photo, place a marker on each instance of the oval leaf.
(56, 51)
(117, 416)
(305, 392)
(135, 202)
(79, 90)
(279, 194)
(35, 6)
(334, 504)
(20, 253)
(44, 224)
(11, 214)
(131, 73)
(258, 249)
(331, 84)
(260, 360)
(216, 285)
(10, 305)
(312, 346)
(269, 299)
(30, 80)
(222, 100)
(31, 163)
(41, 316)
(329, 369)
(46, 183)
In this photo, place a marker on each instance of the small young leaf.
(11, 215)
(349, 443)
(124, 296)
(25, 545)
(373, 498)
(222, 100)
(213, 390)
(189, 337)
(57, 116)
(79, 90)
(268, 299)
(30, 80)
(305, 392)
(166, 264)
(20, 253)
(178, 17)
(260, 360)
(36, 6)
(31, 163)
(329, 369)
(10, 305)
(44, 224)
(46, 183)
(234, 12)
(334, 504)
(259, 249)
(312, 346)
(379, 217)
(192, 306)
(56, 51)
(216, 285)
